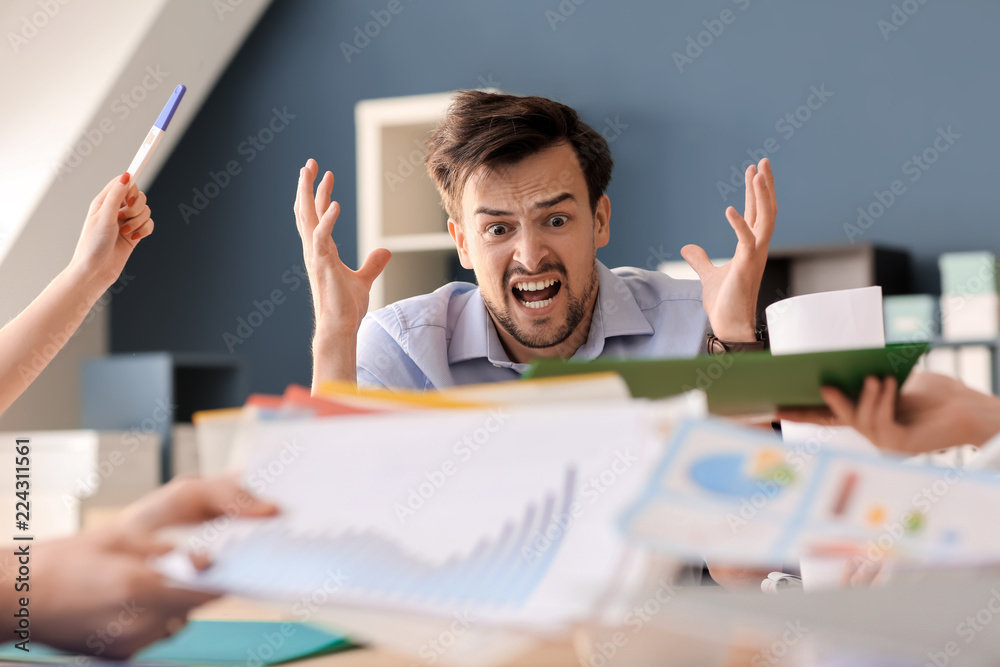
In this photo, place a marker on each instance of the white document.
(508, 514)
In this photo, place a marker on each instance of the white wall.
(81, 92)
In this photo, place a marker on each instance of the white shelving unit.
(398, 206)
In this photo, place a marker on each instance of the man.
(523, 181)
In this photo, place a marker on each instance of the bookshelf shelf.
(398, 206)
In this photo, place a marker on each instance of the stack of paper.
(495, 515)
(493, 509)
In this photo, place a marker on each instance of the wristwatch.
(718, 347)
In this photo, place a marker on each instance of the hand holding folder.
(751, 382)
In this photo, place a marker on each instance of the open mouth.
(535, 293)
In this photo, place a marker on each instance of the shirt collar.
(616, 313)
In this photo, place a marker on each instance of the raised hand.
(340, 295)
(729, 292)
(117, 220)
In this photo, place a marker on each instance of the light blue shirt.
(447, 338)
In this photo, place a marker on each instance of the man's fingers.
(374, 264)
(765, 168)
(323, 193)
(324, 230)
(750, 205)
(304, 216)
(697, 259)
(743, 232)
(764, 227)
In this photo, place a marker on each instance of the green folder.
(749, 382)
(216, 644)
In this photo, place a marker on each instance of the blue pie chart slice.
(724, 474)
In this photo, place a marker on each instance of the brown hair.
(493, 130)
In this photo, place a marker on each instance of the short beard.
(577, 311)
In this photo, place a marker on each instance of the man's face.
(529, 234)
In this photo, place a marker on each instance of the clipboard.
(749, 382)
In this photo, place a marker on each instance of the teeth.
(537, 304)
(534, 286)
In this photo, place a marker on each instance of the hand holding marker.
(155, 134)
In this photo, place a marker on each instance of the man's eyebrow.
(566, 196)
(482, 210)
(558, 199)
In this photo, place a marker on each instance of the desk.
(664, 646)
(555, 654)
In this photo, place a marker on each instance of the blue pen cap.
(170, 107)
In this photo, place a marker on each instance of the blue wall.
(681, 126)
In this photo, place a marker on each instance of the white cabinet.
(398, 206)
